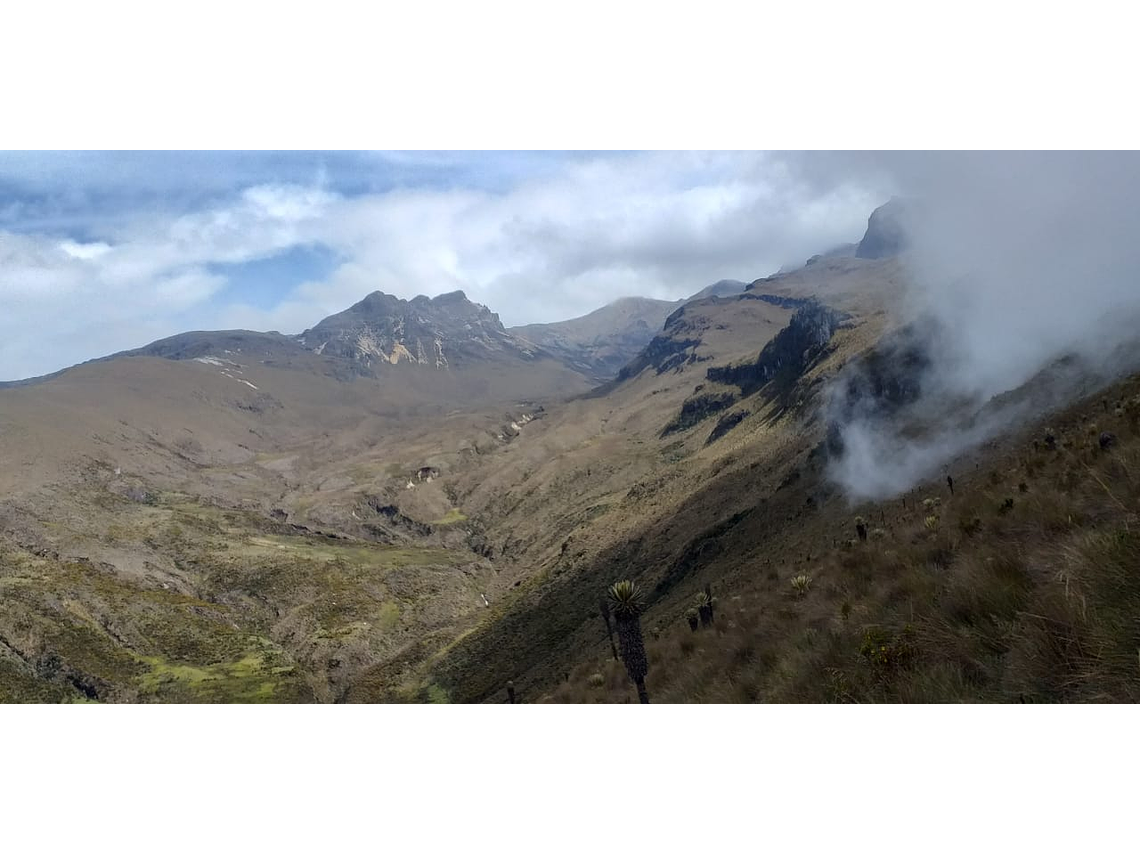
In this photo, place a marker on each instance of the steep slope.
(386, 337)
(1017, 583)
(613, 488)
(705, 329)
(1013, 584)
(444, 349)
(856, 285)
(601, 482)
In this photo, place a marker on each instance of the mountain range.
(410, 502)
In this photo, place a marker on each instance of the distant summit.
(600, 344)
(886, 230)
(597, 345)
(438, 332)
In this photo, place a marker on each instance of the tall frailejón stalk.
(627, 604)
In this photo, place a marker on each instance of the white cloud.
(559, 242)
(1017, 260)
(84, 251)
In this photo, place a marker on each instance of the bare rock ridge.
(788, 355)
(381, 330)
(437, 332)
(886, 230)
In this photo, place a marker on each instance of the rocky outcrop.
(878, 384)
(663, 353)
(698, 408)
(887, 377)
(886, 230)
(784, 359)
(394, 517)
(778, 367)
(727, 422)
(438, 332)
(780, 300)
(676, 345)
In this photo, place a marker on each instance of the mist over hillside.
(1017, 261)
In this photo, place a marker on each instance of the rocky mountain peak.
(886, 230)
(429, 331)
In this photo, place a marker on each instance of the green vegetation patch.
(361, 553)
(451, 518)
(260, 676)
(388, 618)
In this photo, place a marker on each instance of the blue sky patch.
(265, 282)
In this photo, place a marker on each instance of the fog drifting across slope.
(1018, 260)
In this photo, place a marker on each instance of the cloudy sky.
(101, 252)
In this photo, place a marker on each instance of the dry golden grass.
(1034, 602)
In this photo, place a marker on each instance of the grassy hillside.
(602, 488)
(144, 548)
(750, 510)
(1020, 586)
(208, 531)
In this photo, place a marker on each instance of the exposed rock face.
(698, 408)
(726, 423)
(664, 353)
(438, 332)
(776, 369)
(886, 230)
(786, 356)
(677, 342)
(888, 376)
